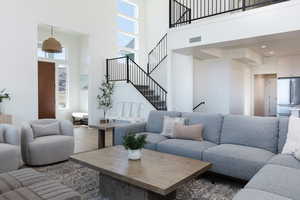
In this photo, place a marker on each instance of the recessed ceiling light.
(271, 52)
(263, 46)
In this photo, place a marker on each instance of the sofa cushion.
(212, 124)
(41, 130)
(280, 180)
(169, 125)
(152, 140)
(50, 149)
(283, 131)
(285, 160)
(20, 178)
(10, 157)
(187, 148)
(156, 119)
(252, 194)
(259, 132)
(1, 135)
(237, 161)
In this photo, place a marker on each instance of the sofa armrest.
(12, 135)
(26, 134)
(121, 131)
(66, 128)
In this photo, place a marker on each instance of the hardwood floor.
(86, 139)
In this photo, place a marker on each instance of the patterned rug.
(86, 181)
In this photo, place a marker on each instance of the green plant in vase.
(134, 145)
(104, 98)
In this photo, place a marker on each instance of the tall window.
(62, 87)
(128, 28)
(62, 74)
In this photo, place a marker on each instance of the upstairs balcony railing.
(185, 11)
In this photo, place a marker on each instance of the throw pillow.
(292, 143)
(169, 124)
(2, 135)
(192, 132)
(40, 130)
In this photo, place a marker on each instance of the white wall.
(157, 21)
(223, 85)
(181, 90)
(212, 85)
(237, 88)
(18, 59)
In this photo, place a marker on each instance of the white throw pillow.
(169, 125)
(40, 130)
(292, 143)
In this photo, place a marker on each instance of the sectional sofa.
(242, 147)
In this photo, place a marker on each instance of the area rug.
(86, 182)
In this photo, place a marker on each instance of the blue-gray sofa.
(242, 147)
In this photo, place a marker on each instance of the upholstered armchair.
(10, 153)
(46, 141)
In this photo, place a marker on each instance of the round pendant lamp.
(51, 45)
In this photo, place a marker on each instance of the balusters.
(184, 11)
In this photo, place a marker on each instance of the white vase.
(134, 154)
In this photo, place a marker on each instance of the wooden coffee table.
(155, 177)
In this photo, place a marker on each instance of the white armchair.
(46, 141)
(10, 154)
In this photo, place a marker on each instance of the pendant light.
(51, 45)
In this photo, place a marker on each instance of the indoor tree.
(104, 97)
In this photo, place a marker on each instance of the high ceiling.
(272, 47)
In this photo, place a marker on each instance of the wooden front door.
(46, 89)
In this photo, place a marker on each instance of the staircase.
(125, 69)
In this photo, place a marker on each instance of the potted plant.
(105, 98)
(3, 95)
(134, 145)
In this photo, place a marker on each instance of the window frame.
(134, 35)
(59, 65)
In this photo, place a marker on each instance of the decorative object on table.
(105, 98)
(3, 95)
(51, 45)
(134, 145)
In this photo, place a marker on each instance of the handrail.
(165, 35)
(200, 104)
(148, 75)
(200, 9)
(157, 54)
(126, 69)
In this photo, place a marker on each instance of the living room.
(176, 99)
